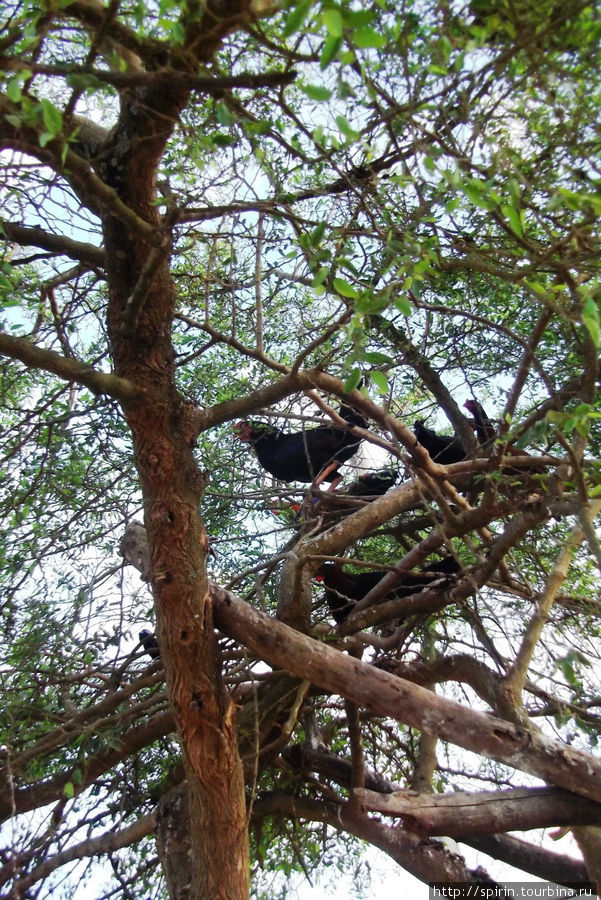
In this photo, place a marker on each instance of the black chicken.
(485, 429)
(372, 484)
(150, 643)
(301, 456)
(486, 432)
(345, 589)
(443, 448)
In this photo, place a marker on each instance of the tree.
(218, 210)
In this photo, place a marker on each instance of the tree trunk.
(140, 317)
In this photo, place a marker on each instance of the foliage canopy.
(228, 209)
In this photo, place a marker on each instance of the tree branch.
(63, 160)
(460, 814)
(68, 369)
(542, 863)
(50, 789)
(157, 78)
(427, 860)
(516, 676)
(27, 236)
(416, 706)
(97, 846)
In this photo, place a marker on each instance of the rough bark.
(172, 485)
(425, 859)
(556, 867)
(589, 841)
(460, 814)
(140, 316)
(412, 704)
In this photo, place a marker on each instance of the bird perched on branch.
(304, 455)
(345, 589)
(371, 484)
(150, 643)
(443, 448)
(484, 427)
(486, 432)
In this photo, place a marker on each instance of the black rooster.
(150, 643)
(485, 429)
(442, 448)
(303, 455)
(345, 589)
(372, 484)
(486, 432)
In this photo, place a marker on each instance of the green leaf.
(222, 140)
(346, 57)
(317, 235)
(17, 121)
(344, 288)
(53, 119)
(224, 115)
(580, 201)
(332, 19)
(537, 287)
(14, 90)
(359, 17)
(368, 37)
(257, 127)
(353, 380)
(85, 82)
(515, 191)
(380, 382)
(404, 305)
(178, 32)
(590, 319)
(368, 302)
(479, 193)
(330, 49)
(320, 276)
(346, 129)
(316, 92)
(345, 91)
(318, 134)
(513, 217)
(376, 358)
(296, 17)
(69, 789)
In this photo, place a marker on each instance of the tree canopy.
(309, 214)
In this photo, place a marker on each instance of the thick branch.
(335, 768)
(155, 79)
(537, 861)
(59, 244)
(460, 814)
(424, 859)
(68, 369)
(242, 406)
(387, 695)
(92, 14)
